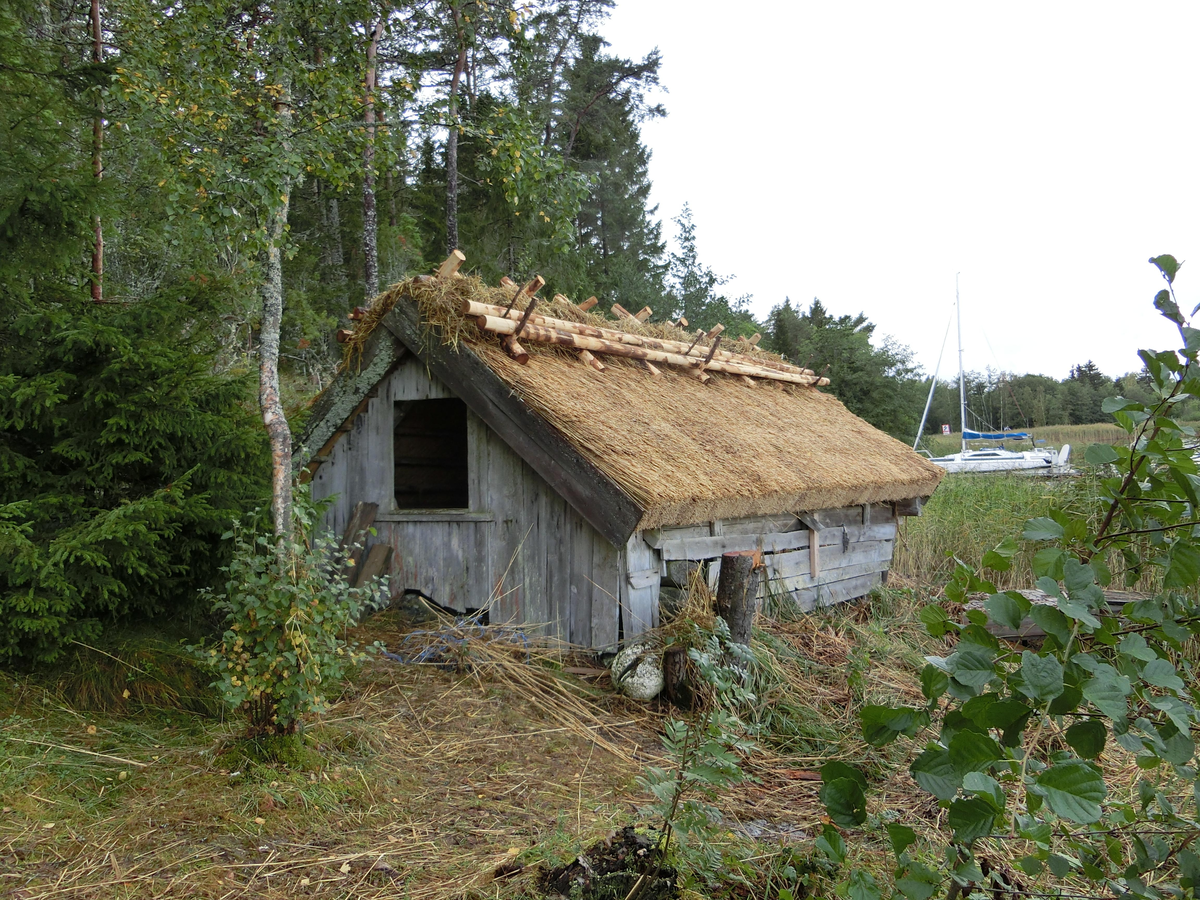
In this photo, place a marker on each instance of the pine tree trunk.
(97, 160)
(370, 223)
(460, 65)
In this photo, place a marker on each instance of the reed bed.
(966, 517)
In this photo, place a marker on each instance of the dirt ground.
(420, 782)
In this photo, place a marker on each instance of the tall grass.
(970, 514)
(1078, 436)
(966, 517)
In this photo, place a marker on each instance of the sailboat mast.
(962, 388)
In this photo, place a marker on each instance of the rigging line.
(933, 382)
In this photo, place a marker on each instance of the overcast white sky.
(865, 152)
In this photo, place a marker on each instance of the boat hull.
(1026, 462)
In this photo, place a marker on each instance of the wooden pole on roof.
(449, 268)
(474, 309)
(543, 334)
(588, 303)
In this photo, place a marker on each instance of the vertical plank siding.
(524, 551)
(522, 548)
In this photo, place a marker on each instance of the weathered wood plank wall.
(520, 545)
(855, 550)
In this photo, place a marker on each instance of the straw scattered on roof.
(686, 452)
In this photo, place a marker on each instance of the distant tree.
(693, 287)
(879, 383)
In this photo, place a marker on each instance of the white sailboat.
(1038, 461)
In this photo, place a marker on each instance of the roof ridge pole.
(962, 390)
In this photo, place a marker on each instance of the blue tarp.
(996, 435)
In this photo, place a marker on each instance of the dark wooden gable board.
(338, 403)
(593, 495)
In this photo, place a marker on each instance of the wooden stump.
(676, 685)
(737, 590)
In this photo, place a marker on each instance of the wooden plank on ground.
(606, 594)
(580, 618)
(361, 519)
(379, 562)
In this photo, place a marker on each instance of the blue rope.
(452, 643)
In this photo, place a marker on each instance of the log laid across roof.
(673, 449)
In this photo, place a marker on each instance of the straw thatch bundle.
(683, 450)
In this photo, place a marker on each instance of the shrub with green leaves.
(1012, 736)
(123, 458)
(287, 606)
(706, 752)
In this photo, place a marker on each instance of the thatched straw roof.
(683, 452)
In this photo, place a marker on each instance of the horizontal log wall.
(854, 552)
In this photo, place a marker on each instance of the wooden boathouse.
(571, 472)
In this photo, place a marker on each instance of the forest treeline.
(194, 196)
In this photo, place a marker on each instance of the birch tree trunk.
(370, 222)
(269, 400)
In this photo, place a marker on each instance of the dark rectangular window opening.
(430, 448)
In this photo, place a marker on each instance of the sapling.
(705, 752)
(1014, 736)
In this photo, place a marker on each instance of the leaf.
(1101, 454)
(971, 751)
(934, 772)
(1183, 570)
(845, 802)
(986, 788)
(935, 619)
(883, 724)
(1048, 562)
(1073, 789)
(918, 882)
(1167, 264)
(1107, 691)
(999, 558)
(1161, 673)
(972, 665)
(971, 819)
(1004, 610)
(1043, 676)
(862, 886)
(1051, 621)
(833, 770)
(901, 836)
(1042, 529)
(832, 844)
(1168, 307)
(1077, 575)
(934, 682)
(1087, 738)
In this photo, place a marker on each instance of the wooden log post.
(449, 268)
(737, 591)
